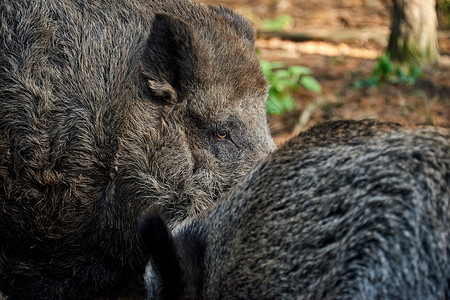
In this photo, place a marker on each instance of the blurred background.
(327, 60)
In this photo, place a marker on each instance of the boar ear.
(240, 24)
(170, 58)
(165, 260)
(177, 263)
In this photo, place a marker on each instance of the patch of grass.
(284, 81)
(385, 70)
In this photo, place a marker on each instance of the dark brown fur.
(109, 109)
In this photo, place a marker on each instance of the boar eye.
(222, 134)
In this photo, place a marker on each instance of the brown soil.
(348, 36)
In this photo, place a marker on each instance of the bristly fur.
(359, 215)
(108, 109)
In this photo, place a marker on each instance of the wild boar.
(107, 109)
(362, 216)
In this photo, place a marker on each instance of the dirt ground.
(348, 36)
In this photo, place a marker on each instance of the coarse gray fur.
(355, 216)
(107, 109)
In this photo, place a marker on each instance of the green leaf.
(266, 67)
(299, 70)
(415, 71)
(372, 81)
(283, 82)
(277, 65)
(280, 85)
(385, 64)
(272, 106)
(358, 84)
(311, 84)
(287, 103)
(282, 74)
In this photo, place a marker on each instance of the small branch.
(308, 111)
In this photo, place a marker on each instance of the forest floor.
(347, 37)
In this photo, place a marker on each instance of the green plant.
(385, 70)
(284, 81)
(277, 24)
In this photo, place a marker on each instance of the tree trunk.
(414, 32)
